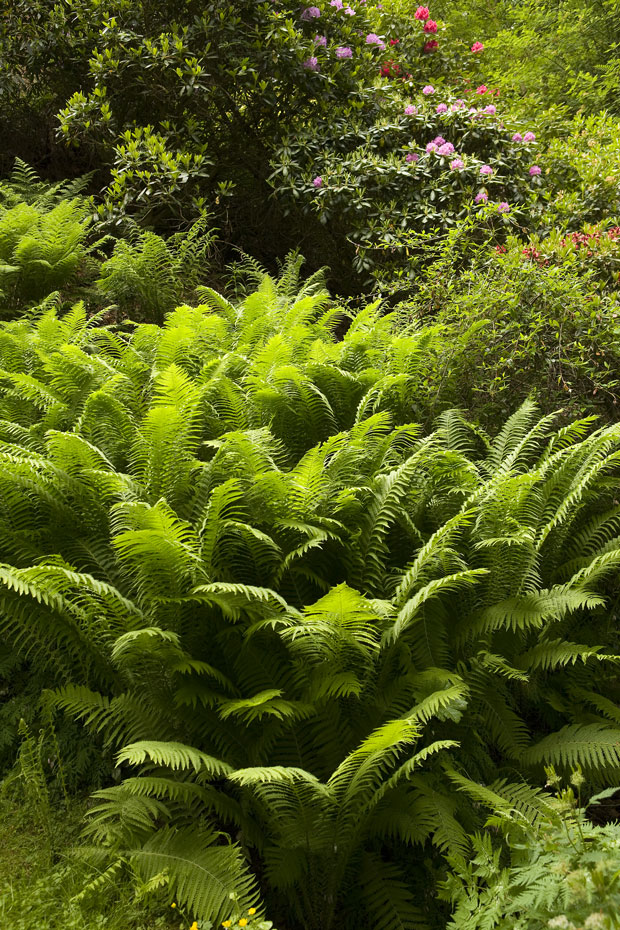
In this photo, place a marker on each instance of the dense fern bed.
(314, 644)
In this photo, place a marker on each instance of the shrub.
(561, 871)
(514, 324)
(290, 142)
(294, 619)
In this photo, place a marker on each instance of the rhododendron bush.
(238, 108)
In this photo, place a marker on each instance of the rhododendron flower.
(412, 156)
(430, 46)
(429, 89)
(320, 40)
(373, 39)
(422, 13)
(503, 207)
(312, 64)
(430, 26)
(349, 11)
(486, 169)
(517, 137)
(529, 137)
(441, 108)
(344, 52)
(337, 3)
(491, 109)
(456, 164)
(318, 181)
(431, 147)
(446, 149)
(477, 47)
(534, 170)
(311, 12)
(482, 197)
(394, 41)
(411, 110)
(482, 89)
(439, 140)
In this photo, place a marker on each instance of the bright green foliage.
(539, 318)
(147, 275)
(562, 55)
(561, 872)
(292, 617)
(43, 238)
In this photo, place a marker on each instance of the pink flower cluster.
(477, 47)
(373, 39)
(422, 13)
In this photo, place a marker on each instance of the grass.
(40, 875)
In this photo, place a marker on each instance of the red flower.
(430, 26)
(430, 46)
(394, 41)
(422, 12)
(482, 89)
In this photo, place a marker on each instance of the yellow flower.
(173, 904)
(252, 910)
(194, 926)
(227, 923)
(243, 921)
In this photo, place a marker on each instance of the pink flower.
(411, 110)
(439, 140)
(430, 46)
(534, 170)
(482, 197)
(457, 164)
(491, 109)
(482, 89)
(312, 64)
(430, 26)
(428, 90)
(349, 11)
(441, 108)
(486, 170)
(477, 47)
(412, 156)
(422, 13)
(446, 149)
(320, 40)
(394, 41)
(529, 137)
(503, 207)
(344, 52)
(517, 137)
(318, 181)
(431, 147)
(373, 39)
(337, 3)
(311, 12)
